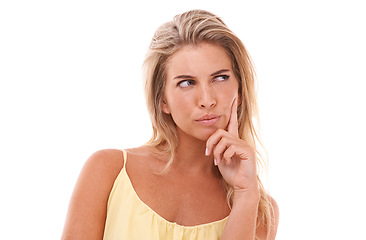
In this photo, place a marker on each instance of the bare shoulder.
(275, 214)
(275, 208)
(88, 205)
(101, 169)
(107, 162)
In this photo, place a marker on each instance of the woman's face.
(200, 89)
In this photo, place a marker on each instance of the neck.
(190, 156)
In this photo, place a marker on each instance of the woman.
(197, 176)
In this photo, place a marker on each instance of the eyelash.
(226, 77)
(191, 82)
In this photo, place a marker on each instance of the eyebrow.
(219, 72)
(213, 74)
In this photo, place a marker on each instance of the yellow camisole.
(129, 218)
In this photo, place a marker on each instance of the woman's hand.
(235, 158)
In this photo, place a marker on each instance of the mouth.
(208, 119)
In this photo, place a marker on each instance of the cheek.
(229, 94)
(179, 104)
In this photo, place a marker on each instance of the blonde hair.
(193, 27)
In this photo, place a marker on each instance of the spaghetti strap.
(126, 209)
(124, 158)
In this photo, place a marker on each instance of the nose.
(207, 97)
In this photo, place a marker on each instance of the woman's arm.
(88, 205)
(242, 220)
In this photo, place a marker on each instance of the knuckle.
(221, 131)
(227, 154)
(224, 141)
(216, 152)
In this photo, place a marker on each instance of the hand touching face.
(234, 157)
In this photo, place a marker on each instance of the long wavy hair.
(194, 27)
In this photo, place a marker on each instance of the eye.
(185, 83)
(221, 78)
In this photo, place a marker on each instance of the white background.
(71, 84)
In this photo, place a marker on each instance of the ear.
(165, 107)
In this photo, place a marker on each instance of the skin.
(200, 72)
(200, 81)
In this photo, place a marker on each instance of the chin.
(206, 134)
(200, 133)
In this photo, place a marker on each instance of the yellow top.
(129, 218)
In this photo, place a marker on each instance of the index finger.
(233, 122)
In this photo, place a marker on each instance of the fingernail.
(215, 162)
(206, 152)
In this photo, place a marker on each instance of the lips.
(208, 119)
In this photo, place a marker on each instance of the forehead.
(196, 60)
